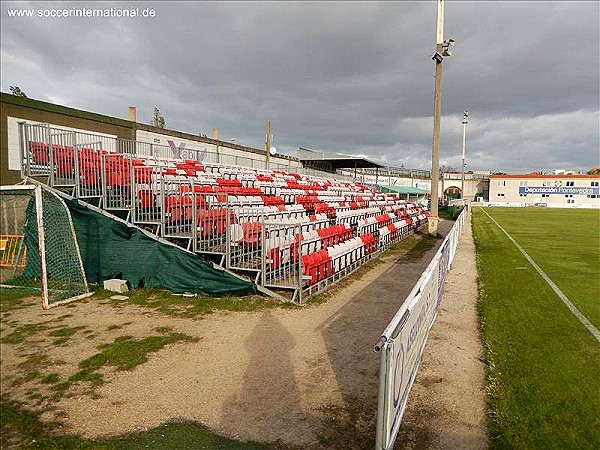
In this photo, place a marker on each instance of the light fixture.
(446, 46)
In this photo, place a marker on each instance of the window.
(545, 183)
(570, 183)
(523, 183)
(500, 195)
(569, 195)
(501, 182)
(545, 195)
(570, 200)
(592, 196)
(522, 195)
(595, 183)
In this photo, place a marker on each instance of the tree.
(16, 90)
(595, 171)
(157, 119)
(447, 169)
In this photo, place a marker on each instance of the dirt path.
(302, 377)
(446, 408)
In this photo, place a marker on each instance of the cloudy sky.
(352, 77)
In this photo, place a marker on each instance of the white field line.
(584, 320)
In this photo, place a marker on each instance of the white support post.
(41, 246)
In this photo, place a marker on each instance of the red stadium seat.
(39, 151)
(252, 233)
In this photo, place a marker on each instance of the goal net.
(38, 246)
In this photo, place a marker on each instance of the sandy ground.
(447, 405)
(294, 376)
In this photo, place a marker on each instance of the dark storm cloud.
(350, 77)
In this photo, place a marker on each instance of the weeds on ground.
(125, 353)
(19, 334)
(21, 428)
(16, 298)
(187, 307)
(352, 427)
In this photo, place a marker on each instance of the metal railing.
(403, 341)
(199, 205)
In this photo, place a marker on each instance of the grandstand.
(280, 229)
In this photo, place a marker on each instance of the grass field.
(543, 364)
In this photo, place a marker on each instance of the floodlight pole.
(464, 147)
(441, 50)
(268, 145)
(437, 112)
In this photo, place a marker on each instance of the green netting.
(64, 276)
(111, 249)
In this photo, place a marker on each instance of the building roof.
(545, 177)
(333, 161)
(403, 190)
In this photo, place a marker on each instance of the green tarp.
(112, 249)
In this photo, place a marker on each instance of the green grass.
(125, 353)
(15, 298)
(23, 332)
(23, 429)
(565, 243)
(543, 375)
(64, 332)
(188, 307)
(50, 378)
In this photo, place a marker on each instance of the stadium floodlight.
(464, 147)
(446, 47)
(442, 49)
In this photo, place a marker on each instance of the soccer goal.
(38, 246)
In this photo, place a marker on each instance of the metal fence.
(403, 341)
(282, 264)
(199, 205)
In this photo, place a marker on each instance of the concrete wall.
(211, 150)
(14, 108)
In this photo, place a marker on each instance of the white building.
(566, 191)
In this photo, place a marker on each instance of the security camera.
(446, 53)
(437, 57)
(450, 42)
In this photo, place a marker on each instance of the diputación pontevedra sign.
(559, 190)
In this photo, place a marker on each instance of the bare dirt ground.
(304, 377)
(447, 404)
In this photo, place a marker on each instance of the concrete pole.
(215, 136)
(435, 153)
(464, 147)
(268, 145)
(437, 113)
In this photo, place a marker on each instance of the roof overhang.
(403, 190)
(333, 161)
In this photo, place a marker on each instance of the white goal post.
(40, 251)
